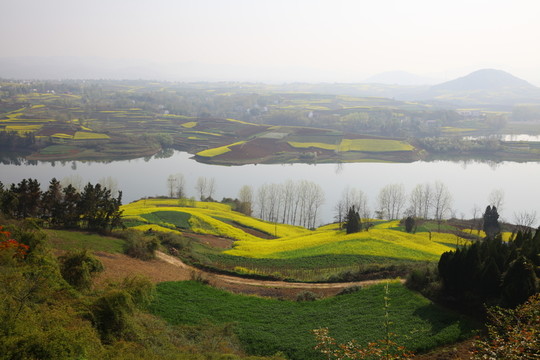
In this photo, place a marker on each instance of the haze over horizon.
(281, 41)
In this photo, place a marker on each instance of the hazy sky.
(339, 40)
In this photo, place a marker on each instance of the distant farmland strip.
(365, 145)
(218, 151)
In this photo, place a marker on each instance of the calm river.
(470, 183)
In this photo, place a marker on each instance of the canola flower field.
(384, 238)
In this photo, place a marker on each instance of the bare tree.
(171, 185)
(211, 187)
(292, 203)
(201, 187)
(391, 200)
(315, 198)
(261, 201)
(420, 201)
(180, 186)
(245, 196)
(496, 198)
(340, 210)
(352, 197)
(442, 202)
(273, 202)
(111, 184)
(288, 195)
(524, 220)
(475, 212)
(74, 180)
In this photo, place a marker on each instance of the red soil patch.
(120, 266)
(210, 240)
(49, 130)
(251, 231)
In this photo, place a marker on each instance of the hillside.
(486, 88)
(485, 79)
(228, 241)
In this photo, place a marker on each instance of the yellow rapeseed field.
(378, 241)
(364, 145)
(292, 241)
(219, 150)
(190, 124)
(85, 135)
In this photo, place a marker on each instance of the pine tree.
(491, 222)
(353, 223)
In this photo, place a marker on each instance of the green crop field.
(266, 326)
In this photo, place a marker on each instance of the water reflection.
(469, 181)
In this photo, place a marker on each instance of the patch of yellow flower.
(218, 151)
(378, 241)
(84, 135)
(189, 125)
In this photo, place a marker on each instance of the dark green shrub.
(141, 290)
(349, 290)
(409, 224)
(141, 247)
(112, 315)
(306, 296)
(78, 268)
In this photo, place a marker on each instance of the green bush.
(78, 268)
(112, 315)
(140, 246)
(306, 296)
(350, 290)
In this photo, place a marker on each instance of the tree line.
(486, 272)
(295, 203)
(92, 208)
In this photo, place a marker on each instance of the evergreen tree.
(491, 222)
(53, 210)
(353, 223)
(409, 224)
(519, 282)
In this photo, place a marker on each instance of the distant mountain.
(399, 78)
(487, 88)
(485, 79)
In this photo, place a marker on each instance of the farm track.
(264, 287)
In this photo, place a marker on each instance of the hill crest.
(484, 79)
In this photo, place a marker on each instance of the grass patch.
(58, 150)
(176, 218)
(75, 240)
(266, 326)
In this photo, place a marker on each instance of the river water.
(469, 182)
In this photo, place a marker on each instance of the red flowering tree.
(11, 246)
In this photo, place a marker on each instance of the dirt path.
(169, 268)
(263, 287)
